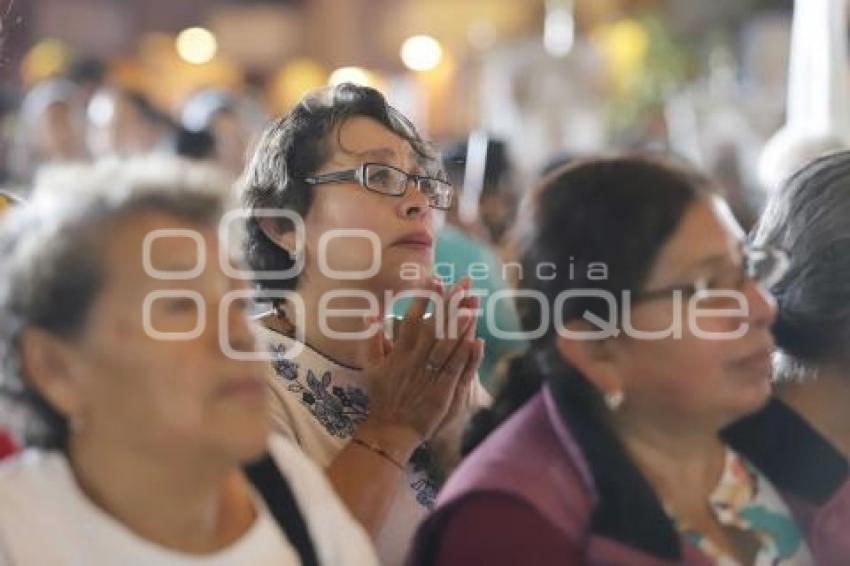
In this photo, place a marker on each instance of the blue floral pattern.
(426, 492)
(432, 477)
(340, 409)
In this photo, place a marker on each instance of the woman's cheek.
(350, 254)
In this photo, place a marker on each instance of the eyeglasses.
(763, 265)
(391, 181)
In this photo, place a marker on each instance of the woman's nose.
(414, 204)
(762, 305)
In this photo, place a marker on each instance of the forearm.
(367, 475)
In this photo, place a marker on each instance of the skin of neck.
(345, 350)
(192, 503)
(823, 400)
(682, 463)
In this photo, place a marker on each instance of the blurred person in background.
(497, 203)
(221, 114)
(383, 417)
(146, 444)
(196, 145)
(125, 123)
(808, 217)
(624, 435)
(459, 253)
(49, 129)
(8, 118)
(88, 73)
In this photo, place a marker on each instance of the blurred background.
(525, 82)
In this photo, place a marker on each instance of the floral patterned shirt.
(745, 499)
(319, 403)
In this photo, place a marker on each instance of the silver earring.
(614, 399)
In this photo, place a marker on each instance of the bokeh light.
(47, 58)
(196, 45)
(421, 53)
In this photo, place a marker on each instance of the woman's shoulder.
(338, 537)
(36, 496)
(528, 459)
(527, 440)
(30, 474)
(496, 528)
(292, 461)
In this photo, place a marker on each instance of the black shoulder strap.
(793, 455)
(274, 488)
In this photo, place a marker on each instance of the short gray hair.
(808, 218)
(50, 258)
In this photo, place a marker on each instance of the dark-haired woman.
(639, 428)
(809, 218)
(382, 417)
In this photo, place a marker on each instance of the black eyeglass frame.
(700, 285)
(359, 176)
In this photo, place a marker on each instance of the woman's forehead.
(708, 234)
(153, 244)
(367, 139)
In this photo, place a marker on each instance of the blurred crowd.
(82, 117)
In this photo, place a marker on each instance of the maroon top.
(8, 446)
(552, 487)
(498, 529)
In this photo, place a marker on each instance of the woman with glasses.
(639, 428)
(342, 196)
(146, 443)
(809, 218)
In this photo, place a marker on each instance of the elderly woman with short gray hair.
(810, 218)
(147, 444)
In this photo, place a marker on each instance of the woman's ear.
(285, 239)
(593, 357)
(47, 364)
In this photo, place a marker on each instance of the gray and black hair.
(51, 251)
(810, 218)
(294, 147)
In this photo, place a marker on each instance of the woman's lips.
(416, 240)
(759, 361)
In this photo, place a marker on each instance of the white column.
(817, 116)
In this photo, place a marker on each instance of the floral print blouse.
(318, 403)
(745, 499)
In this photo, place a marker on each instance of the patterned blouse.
(745, 499)
(319, 403)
